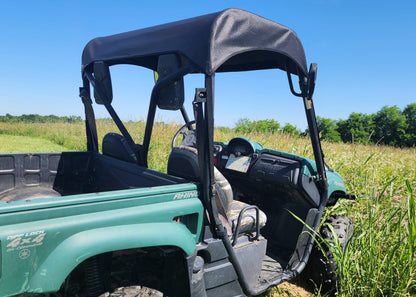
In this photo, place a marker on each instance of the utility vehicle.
(227, 219)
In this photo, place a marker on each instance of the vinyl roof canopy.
(230, 40)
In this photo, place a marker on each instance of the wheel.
(134, 291)
(181, 131)
(323, 270)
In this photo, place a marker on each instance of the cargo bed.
(28, 176)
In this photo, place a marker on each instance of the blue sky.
(365, 52)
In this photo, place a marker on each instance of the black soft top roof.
(230, 40)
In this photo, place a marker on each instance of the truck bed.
(91, 205)
(28, 176)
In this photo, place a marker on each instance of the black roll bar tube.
(322, 183)
(112, 112)
(289, 78)
(312, 125)
(200, 123)
(209, 119)
(319, 160)
(316, 143)
(186, 118)
(208, 165)
(208, 180)
(161, 83)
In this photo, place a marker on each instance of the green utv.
(227, 219)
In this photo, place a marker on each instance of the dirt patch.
(297, 287)
(292, 289)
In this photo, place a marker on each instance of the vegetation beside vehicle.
(381, 257)
(9, 143)
(389, 125)
(36, 118)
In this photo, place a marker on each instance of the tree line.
(35, 118)
(245, 125)
(390, 126)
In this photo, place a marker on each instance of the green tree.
(267, 125)
(359, 127)
(244, 125)
(328, 129)
(35, 118)
(390, 126)
(290, 129)
(410, 113)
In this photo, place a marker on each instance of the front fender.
(81, 246)
(335, 183)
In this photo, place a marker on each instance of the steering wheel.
(181, 131)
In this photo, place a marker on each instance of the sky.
(365, 51)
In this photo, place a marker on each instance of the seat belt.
(209, 203)
(92, 141)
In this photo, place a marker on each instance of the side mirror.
(103, 82)
(313, 69)
(172, 96)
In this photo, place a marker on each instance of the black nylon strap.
(207, 188)
(200, 129)
(92, 141)
(200, 133)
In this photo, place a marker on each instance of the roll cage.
(227, 41)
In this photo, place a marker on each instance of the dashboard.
(246, 164)
(236, 156)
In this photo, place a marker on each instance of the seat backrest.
(114, 145)
(183, 162)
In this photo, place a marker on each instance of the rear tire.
(323, 270)
(133, 291)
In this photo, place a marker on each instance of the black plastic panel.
(276, 169)
(251, 257)
(27, 170)
(309, 186)
(218, 275)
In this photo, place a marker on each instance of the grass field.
(380, 260)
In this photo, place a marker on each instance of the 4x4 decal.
(25, 240)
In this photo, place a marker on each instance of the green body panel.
(335, 183)
(86, 244)
(50, 237)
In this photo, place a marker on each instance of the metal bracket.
(200, 95)
(84, 94)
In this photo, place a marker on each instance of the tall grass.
(380, 259)
(71, 136)
(16, 143)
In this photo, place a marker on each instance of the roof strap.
(92, 140)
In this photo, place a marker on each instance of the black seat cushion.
(183, 162)
(114, 145)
